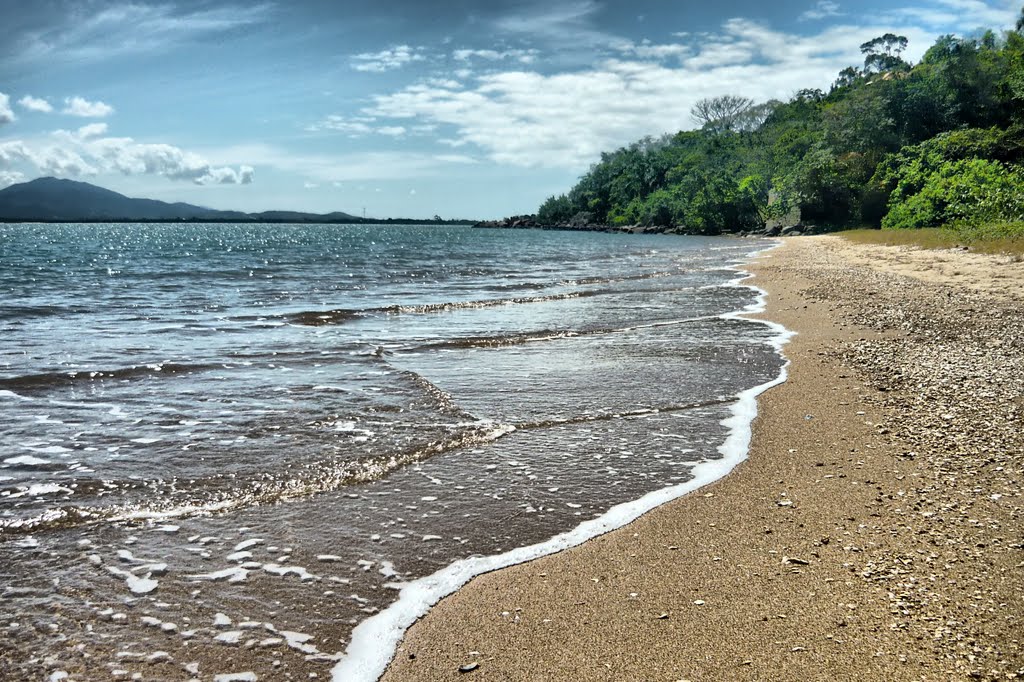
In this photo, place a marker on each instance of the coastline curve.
(375, 640)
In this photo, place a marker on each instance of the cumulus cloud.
(92, 130)
(565, 120)
(37, 104)
(79, 106)
(86, 152)
(821, 10)
(6, 113)
(10, 178)
(387, 60)
(129, 157)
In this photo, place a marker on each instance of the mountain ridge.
(50, 199)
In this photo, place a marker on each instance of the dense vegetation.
(891, 144)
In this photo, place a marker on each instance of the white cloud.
(92, 130)
(86, 153)
(49, 159)
(821, 10)
(565, 120)
(6, 113)
(455, 158)
(79, 106)
(35, 104)
(565, 26)
(310, 185)
(131, 28)
(352, 127)
(355, 127)
(10, 178)
(387, 60)
(648, 50)
(350, 167)
(521, 56)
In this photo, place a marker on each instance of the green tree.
(883, 53)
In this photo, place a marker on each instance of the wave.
(374, 641)
(47, 380)
(168, 498)
(17, 313)
(341, 315)
(515, 339)
(163, 498)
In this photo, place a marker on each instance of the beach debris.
(795, 560)
(663, 616)
(468, 668)
(698, 602)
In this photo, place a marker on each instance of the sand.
(874, 533)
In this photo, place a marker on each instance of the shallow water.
(281, 424)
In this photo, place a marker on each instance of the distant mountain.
(299, 217)
(53, 199)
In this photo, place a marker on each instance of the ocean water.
(223, 447)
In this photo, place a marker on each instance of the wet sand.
(875, 532)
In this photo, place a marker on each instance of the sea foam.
(375, 640)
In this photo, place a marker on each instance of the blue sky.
(412, 108)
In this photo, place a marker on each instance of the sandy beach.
(875, 532)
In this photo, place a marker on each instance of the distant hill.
(54, 199)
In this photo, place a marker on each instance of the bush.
(969, 192)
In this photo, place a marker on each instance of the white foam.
(40, 489)
(51, 449)
(26, 460)
(12, 394)
(375, 640)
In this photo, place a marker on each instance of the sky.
(402, 108)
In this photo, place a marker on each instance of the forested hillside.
(890, 144)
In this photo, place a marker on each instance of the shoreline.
(363, 659)
(840, 547)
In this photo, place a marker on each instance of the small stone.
(469, 667)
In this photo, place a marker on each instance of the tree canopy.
(890, 144)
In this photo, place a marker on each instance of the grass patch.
(998, 238)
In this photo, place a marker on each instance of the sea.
(261, 452)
